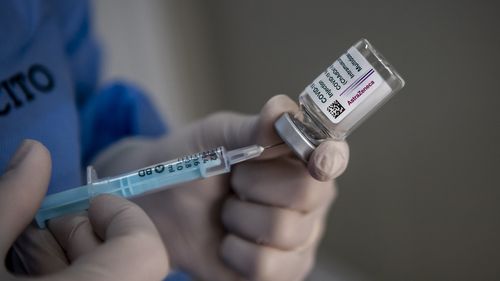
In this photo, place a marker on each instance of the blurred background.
(421, 197)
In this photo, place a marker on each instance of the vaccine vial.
(340, 99)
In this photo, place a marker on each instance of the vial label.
(345, 84)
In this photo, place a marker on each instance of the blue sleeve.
(109, 113)
(119, 110)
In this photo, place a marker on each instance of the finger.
(22, 188)
(38, 253)
(238, 131)
(130, 239)
(265, 132)
(274, 227)
(233, 130)
(281, 182)
(113, 216)
(262, 263)
(221, 129)
(75, 235)
(329, 160)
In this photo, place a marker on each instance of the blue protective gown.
(49, 90)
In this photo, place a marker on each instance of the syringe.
(160, 176)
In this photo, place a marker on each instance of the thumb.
(22, 188)
(132, 248)
(265, 133)
(233, 130)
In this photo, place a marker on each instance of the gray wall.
(421, 198)
(165, 47)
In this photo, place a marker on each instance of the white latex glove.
(116, 242)
(261, 222)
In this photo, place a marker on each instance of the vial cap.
(293, 137)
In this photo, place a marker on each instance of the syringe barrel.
(65, 202)
(160, 176)
(195, 166)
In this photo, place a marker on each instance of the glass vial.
(340, 99)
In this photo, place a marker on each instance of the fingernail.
(22, 151)
(325, 165)
(328, 161)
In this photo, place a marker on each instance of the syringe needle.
(273, 145)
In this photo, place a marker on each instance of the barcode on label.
(335, 109)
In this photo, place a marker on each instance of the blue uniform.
(49, 90)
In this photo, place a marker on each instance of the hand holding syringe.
(160, 176)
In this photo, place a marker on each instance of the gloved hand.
(262, 222)
(116, 242)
